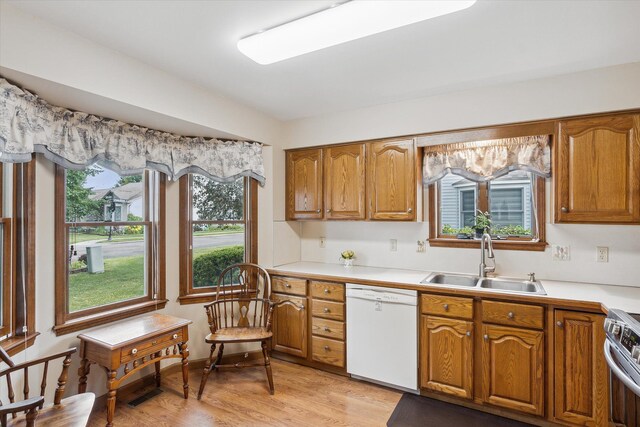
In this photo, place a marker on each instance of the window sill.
(15, 345)
(108, 316)
(514, 245)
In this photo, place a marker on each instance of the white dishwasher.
(382, 335)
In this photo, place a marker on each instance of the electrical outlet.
(603, 253)
(560, 253)
(394, 245)
(322, 242)
(421, 246)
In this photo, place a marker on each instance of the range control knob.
(612, 327)
(635, 353)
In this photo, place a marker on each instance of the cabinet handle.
(134, 351)
(510, 315)
(486, 337)
(446, 307)
(326, 348)
(559, 324)
(326, 291)
(409, 210)
(318, 211)
(468, 333)
(175, 336)
(564, 209)
(328, 210)
(326, 329)
(326, 310)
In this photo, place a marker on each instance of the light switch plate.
(560, 253)
(394, 245)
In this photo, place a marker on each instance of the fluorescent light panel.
(340, 24)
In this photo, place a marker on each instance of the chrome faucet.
(485, 244)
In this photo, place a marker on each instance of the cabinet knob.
(510, 315)
(326, 348)
(301, 306)
(326, 291)
(468, 333)
(287, 285)
(328, 210)
(446, 307)
(486, 337)
(559, 324)
(154, 342)
(409, 210)
(318, 211)
(175, 336)
(326, 329)
(326, 310)
(134, 351)
(564, 209)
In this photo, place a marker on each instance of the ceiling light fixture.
(339, 24)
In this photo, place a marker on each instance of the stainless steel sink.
(451, 279)
(512, 285)
(489, 283)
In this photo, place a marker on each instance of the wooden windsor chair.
(71, 411)
(241, 313)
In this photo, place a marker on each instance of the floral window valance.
(75, 140)
(485, 160)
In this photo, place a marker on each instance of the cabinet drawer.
(447, 306)
(327, 309)
(289, 285)
(327, 351)
(327, 290)
(510, 314)
(136, 351)
(327, 328)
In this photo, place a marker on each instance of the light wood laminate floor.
(240, 397)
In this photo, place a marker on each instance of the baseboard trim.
(194, 365)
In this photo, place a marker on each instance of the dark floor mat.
(419, 411)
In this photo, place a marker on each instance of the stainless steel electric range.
(622, 347)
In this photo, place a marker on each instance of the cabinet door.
(344, 182)
(290, 326)
(391, 180)
(598, 170)
(446, 356)
(580, 372)
(513, 368)
(304, 184)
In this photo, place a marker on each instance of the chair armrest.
(23, 405)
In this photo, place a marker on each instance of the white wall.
(607, 89)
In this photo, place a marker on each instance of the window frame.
(15, 338)
(482, 202)
(67, 322)
(189, 294)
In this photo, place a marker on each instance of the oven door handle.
(619, 373)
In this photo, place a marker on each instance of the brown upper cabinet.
(597, 170)
(391, 179)
(344, 168)
(304, 184)
(372, 180)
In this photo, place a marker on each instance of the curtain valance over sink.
(75, 140)
(485, 160)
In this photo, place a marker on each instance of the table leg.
(184, 350)
(83, 372)
(157, 376)
(111, 396)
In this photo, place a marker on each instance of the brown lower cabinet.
(513, 368)
(290, 326)
(581, 389)
(447, 355)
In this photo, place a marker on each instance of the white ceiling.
(492, 42)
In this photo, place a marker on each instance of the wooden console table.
(134, 343)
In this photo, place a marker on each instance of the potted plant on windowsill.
(482, 223)
(347, 257)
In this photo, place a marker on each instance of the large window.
(17, 255)
(515, 202)
(110, 245)
(218, 228)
